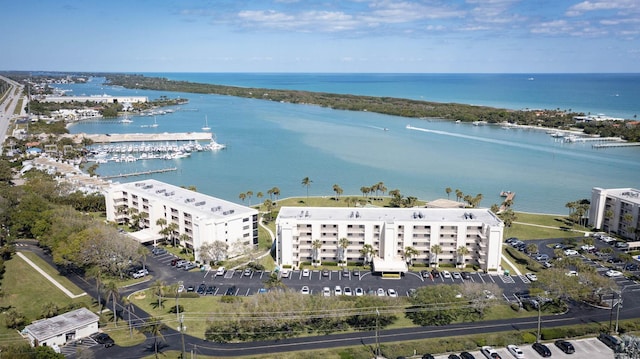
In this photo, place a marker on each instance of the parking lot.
(590, 348)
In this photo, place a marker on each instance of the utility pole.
(182, 334)
(611, 314)
(539, 319)
(618, 309)
(377, 333)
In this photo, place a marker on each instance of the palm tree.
(154, 326)
(268, 206)
(95, 272)
(276, 192)
(343, 243)
(270, 193)
(382, 188)
(365, 190)
(162, 223)
(436, 250)
(307, 183)
(459, 195)
(338, 190)
(128, 304)
(316, 245)
(448, 191)
(409, 253)
(158, 290)
(171, 228)
(184, 238)
(608, 215)
(259, 195)
(368, 252)
(113, 293)
(242, 196)
(462, 251)
(249, 195)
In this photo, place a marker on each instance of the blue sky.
(427, 36)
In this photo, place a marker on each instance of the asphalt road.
(7, 108)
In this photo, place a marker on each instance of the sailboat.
(155, 123)
(206, 124)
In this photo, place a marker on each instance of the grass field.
(64, 281)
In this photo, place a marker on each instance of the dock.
(141, 173)
(508, 197)
(617, 144)
(146, 137)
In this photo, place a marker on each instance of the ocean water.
(277, 144)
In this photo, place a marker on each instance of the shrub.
(528, 338)
(176, 309)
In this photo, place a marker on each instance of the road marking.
(49, 278)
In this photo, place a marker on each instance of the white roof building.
(59, 330)
(204, 219)
(615, 210)
(389, 231)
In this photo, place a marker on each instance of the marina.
(141, 173)
(149, 137)
(132, 152)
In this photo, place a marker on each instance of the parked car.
(326, 292)
(466, 355)
(247, 272)
(337, 290)
(446, 274)
(435, 273)
(231, 291)
(202, 289)
(189, 266)
(156, 251)
(174, 261)
(428, 356)
(511, 240)
(325, 272)
(285, 273)
(425, 273)
(613, 273)
(345, 272)
(515, 351)
(465, 275)
(211, 290)
(104, 339)
(221, 271)
(631, 267)
(565, 346)
(191, 288)
(453, 356)
(305, 290)
(140, 273)
(456, 275)
(622, 245)
(532, 277)
(490, 353)
(541, 257)
(616, 344)
(392, 293)
(347, 291)
(587, 247)
(306, 272)
(570, 252)
(380, 292)
(541, 349)
(359, 292)
(355, 272)
(181, 263)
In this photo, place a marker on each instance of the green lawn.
(53, 273)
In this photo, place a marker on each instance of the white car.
(337, 290)
(571, 273)
(347, 291)
(570, 252)
(392, 293)
(446, 274)
(141, 273)
(587, 247)
(305, 272)
(613, 273)
(305, 290)
(221, 271)
(359, 292)
(326, 292)
(283, 273)
(456, 275)
(532, 277)
(489, 352)
(515, 351)
(380, 292)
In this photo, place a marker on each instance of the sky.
(410, 36)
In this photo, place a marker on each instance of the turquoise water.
(275, 144)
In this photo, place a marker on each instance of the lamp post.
(539, 320)
(618, 309)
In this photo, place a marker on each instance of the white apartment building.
(615, 211)
(59, 330)
(202, 218)
(389, 231)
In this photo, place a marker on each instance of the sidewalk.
(49, 278)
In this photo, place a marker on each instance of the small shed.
(59, 330)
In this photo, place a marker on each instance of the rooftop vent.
(201, 203)
(161, 190)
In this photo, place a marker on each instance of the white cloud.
(601, 5)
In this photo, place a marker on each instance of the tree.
(531, 248)
(249, 195)
(49, 309)
(343, 243)
(242, 196)
(268, 205)
(113, 293)
(409, 253)
(171, 229)
(161, 222)
(368, 252)
(274, 281)
(259, 195)
(436, 250)
(128, 304)
(365, 190)
(154, 326)
(215, 252)
(316, 245)
(448, 191)
(338, 190)
(306, 182)
(462, 252)
(95, 272)
(459, 194)
(158, 288)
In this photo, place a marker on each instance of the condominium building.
(615, 211)
(315, 234)
(197, 218)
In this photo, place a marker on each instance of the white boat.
(126, 120)
(155, 124)
(206, 124)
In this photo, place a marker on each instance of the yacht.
(206, 124)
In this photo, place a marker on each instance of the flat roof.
(479, 215)
(145, 235)
(396, 265)
(64, 323)
(628, 194)
(200, 203)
